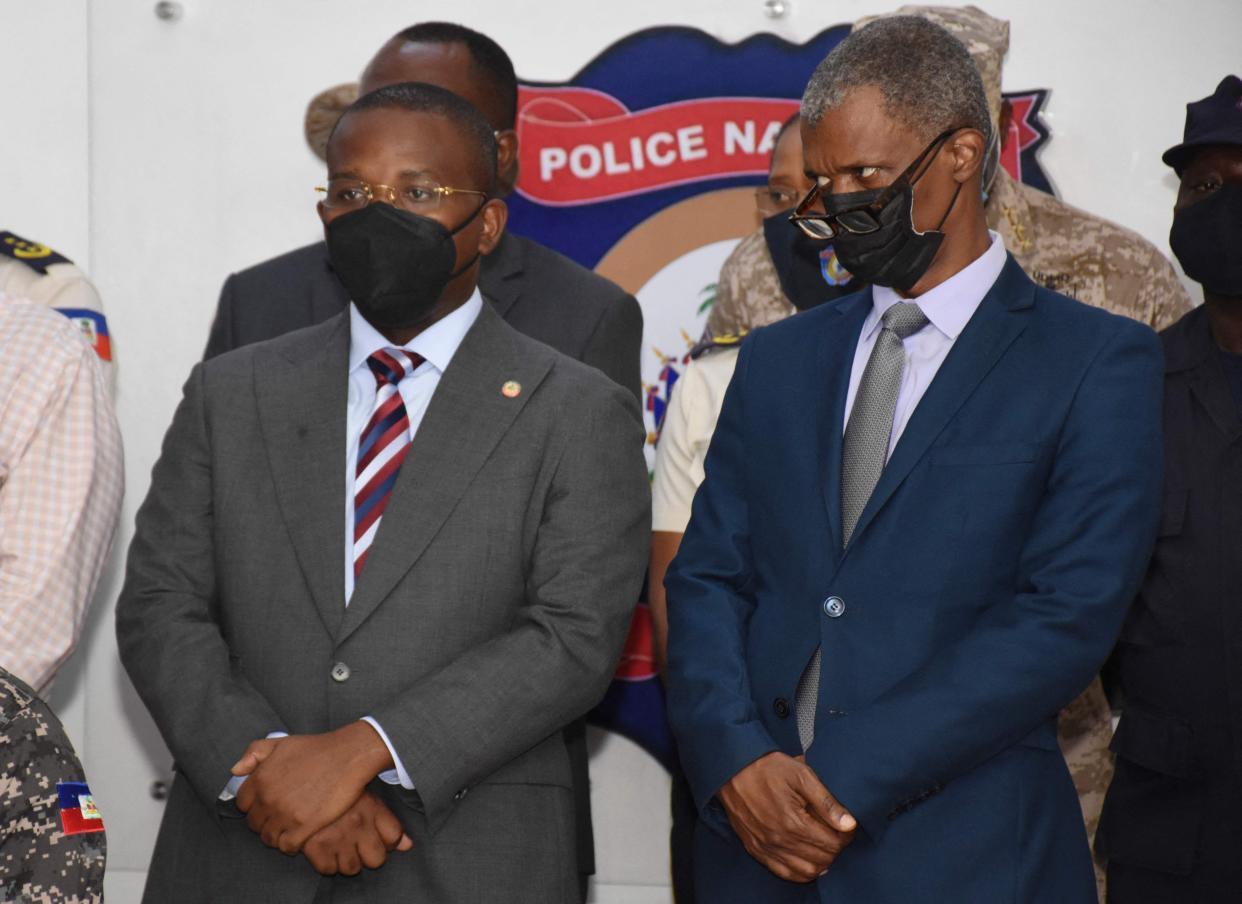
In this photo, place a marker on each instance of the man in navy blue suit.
(927, 507)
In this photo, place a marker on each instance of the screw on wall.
(169, 10)
(776, 9)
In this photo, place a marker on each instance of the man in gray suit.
(385, 690)
(540, 292)
(536, 290)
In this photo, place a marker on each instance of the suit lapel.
(500, 274)
(466, 419)
(836, 360)
(301, 398)
(994, 326)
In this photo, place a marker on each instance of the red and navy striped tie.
(381, 448)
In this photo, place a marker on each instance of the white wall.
(164, 155)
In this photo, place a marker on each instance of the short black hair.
(419, 97)
(489, 59)
(926, 75)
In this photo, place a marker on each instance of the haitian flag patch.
(94, 327)
(78, 813)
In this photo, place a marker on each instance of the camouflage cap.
(986, 38)
(322, 113)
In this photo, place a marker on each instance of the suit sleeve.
(222, 338)
(616, 343)
(167, 633)
(1079, 569)
(710, 600)
(459, 725)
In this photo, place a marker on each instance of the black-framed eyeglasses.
(864, 219)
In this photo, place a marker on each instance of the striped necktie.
(381, 448)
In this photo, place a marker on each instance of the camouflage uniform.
(748, 292)
(39, 863)
(1084, 256)
(1065, 249)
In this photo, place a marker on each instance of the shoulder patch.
(724, 340)
(94, 327)
(32, 254)
(78, 812)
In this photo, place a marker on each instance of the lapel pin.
(511, 390)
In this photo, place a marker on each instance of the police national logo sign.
(643, 167)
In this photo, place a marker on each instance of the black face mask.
(807, 268)
(1207, 239)
(896, 254)
(394, 264)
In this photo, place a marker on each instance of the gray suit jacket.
(491, 612)
(540, 292)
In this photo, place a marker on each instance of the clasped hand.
(307, 794)
(786, 818)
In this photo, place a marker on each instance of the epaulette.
(709, 342)
(32, 254)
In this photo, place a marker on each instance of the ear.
(507, 157)
(968, 149)
(495, 214)
(323, 213)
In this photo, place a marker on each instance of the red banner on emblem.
(579, 146)
(1020, 135)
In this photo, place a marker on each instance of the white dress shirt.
(437, 345)
(949, 306)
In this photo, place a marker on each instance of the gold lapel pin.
(511, 390)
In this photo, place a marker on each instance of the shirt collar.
(437, 344)
(950, 305)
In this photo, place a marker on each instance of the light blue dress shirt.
(949, 306)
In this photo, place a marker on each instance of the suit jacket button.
(781, 707)
(834, 607)
(340, 673)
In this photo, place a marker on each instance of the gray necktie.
(865, 452)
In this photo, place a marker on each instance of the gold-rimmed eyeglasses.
(419, 195)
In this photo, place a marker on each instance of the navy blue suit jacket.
(984, 585)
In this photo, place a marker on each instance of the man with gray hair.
(925, 511)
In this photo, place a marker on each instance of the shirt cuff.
(235, 783)
(398, 775)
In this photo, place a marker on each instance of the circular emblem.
(511, 390)
(830, 266)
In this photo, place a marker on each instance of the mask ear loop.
(923, 171)
(464, 223)
(956, 192)
(991, 165)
